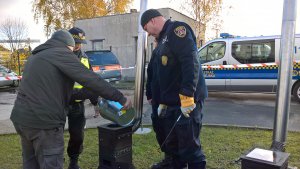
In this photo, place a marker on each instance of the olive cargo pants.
(41, 148)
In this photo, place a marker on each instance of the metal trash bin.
(115, 147)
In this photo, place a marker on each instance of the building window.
(97, 44)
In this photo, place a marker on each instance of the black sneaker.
(166, 163)
(73, 163)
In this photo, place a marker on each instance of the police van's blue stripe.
(246, 74)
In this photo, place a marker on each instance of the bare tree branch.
(204, 12)
(14, 30)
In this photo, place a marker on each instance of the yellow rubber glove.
(161, 108)
(187, 105)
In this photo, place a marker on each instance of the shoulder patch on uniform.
(180, 31)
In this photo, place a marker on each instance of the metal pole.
(285, 74)
(19, 66)
(140, 68)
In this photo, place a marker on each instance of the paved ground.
(249, 110)
(7, 100)
(259, 111)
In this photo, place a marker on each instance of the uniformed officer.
(151, 85)
(76, 117)
(180, 88)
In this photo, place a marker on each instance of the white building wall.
(119, 33)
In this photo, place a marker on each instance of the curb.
(243, 127)
(244, 96)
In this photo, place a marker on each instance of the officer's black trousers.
(184, 141)
(76, 121)
(157, 126)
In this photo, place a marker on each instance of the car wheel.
(296, 91)
(16, 83)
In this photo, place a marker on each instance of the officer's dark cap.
(78, 35)
(148, 15)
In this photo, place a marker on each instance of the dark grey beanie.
(148, 15)
(64, 36)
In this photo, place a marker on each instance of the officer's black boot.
(177, 164)
(198, 165)
(165, 163)
(73, 163)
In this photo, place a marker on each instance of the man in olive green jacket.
(40, 110)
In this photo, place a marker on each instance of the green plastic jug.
(113, 111)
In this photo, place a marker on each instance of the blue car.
(106, 64)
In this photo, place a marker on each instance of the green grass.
(222, 146)
(125, 85)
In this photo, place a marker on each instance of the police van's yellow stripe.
(258, 66)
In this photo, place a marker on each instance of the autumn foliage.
(10, 59)
(59, 14)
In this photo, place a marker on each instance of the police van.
(246, 64)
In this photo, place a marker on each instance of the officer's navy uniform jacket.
(176, 70)
(152, 85)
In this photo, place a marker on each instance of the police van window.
(262, 51)
(212, 52)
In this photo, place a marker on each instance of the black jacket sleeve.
(82, 94)
(72, 68)
(185, 48)
(149, 78)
